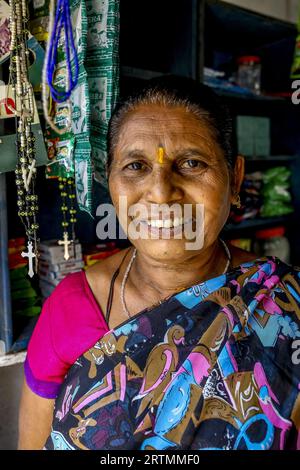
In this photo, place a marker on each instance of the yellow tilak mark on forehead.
(160, 154)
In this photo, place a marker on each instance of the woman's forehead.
(152, 113)
(154, 122)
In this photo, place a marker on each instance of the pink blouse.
(70, 323)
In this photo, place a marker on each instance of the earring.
(237, 202)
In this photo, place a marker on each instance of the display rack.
(212, 33)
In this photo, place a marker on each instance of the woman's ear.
(238, 176)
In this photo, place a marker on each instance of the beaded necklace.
(25, 171)
(59, 21)
(60, 28)
(62, 22)
(68, 195)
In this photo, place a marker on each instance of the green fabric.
(23, 293)
(102, 65)
(96, 24)
(28, 312)
(73, 149)
(21, 283)
(18, 273)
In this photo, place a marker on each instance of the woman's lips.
(150, 228)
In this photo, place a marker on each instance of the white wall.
(283, 9)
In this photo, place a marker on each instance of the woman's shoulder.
(99, 276)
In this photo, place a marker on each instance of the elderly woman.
(166, 344)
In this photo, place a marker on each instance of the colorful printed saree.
(216, 366)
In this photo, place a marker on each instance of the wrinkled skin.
(194, 171)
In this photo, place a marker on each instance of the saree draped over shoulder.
(216, 366)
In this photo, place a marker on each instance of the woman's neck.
(155, 279)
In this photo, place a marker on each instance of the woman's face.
(190, 170)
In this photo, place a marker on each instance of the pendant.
(66, 242)
(27, 174)
(30, 255)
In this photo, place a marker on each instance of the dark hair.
(171, 90)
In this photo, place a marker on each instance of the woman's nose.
(162, 187)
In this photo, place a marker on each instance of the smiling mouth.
(165, 224)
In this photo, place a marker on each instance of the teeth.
(177, 222)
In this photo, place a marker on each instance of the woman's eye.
(193, 163)
(135, 166)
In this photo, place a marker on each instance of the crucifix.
(66, 242)
(28, 173)
(30, 255)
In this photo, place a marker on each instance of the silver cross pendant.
(30, 255)
(66, 242)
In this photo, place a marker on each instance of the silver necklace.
(126, 274)
(24, 112)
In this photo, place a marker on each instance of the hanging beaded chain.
(68, 195)
(25, 171)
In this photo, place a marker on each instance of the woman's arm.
(35, 419)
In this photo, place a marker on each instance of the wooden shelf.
(251, 97)
(272, 159)
(258, 224)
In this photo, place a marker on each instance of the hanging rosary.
(25, 171)
(60, 25)
(67, 193)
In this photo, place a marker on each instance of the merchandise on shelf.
(25, 298)
(93, 253)
(253, 136)
(249, 73)
(277, 199)
(242, 243)
(53, 267)
(272, 242)
(296, 63)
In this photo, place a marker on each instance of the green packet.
(275, 209)
(80, 109)
(277, 193)
(83, 174)
(296, 63)
(278, 175)
(61, 154)
(39, 8)
(99, 159)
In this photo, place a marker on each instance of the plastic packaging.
(296, 63)
(272, 242)
(249, 73)
(276, 192)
